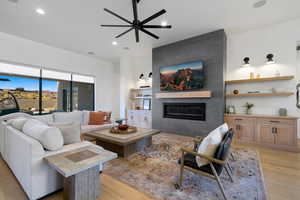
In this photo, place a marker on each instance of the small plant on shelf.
(248, 107)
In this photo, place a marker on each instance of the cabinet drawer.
(276, 121)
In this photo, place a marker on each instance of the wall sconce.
(141, 77)
(246, 62)
(270, 59)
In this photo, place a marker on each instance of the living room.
(203, 105)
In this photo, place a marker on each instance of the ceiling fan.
(136, 24)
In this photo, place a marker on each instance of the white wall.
(130, 69)
(281, 40)
(15, 49)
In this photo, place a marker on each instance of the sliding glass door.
(41, 91)
(56, 87)
(83, 92)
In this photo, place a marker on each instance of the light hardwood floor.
(281, 171)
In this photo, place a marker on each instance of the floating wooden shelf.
(261, 94)
(148, 97)
(279, 78)
(184, 95)
(141, 89)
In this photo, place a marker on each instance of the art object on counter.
(253, 92)
(283, 112)
(230, 110)
(248, 107)
(236, 91)
(277, 73)
(252, 75)
(147, 104)
(182, 77)
(258, 75)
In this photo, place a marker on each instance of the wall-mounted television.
(182, 77)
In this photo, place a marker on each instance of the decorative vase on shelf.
(248, 110)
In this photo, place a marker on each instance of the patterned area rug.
(155, 172)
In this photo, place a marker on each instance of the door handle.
(275, 121)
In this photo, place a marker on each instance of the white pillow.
(209, 146)
(50, 137)
(17, 123)
(86, 117)
(68, 117)
(44, 118)
(70, 132)
(224, 129)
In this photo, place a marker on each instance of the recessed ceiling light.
(260, 3)
(40, 11)
(164, 23)
(114, 43)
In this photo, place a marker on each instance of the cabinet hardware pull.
(275, 121)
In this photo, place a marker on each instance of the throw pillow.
(209, 146)
(70, 132)
(224, 129)
(68, 117)
(97, 118)
(17, 123)
(50, 137)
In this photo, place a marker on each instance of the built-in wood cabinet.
(140, 118)
(269, 131)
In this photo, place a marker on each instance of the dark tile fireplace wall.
(209, 48)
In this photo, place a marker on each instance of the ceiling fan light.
(164, 23)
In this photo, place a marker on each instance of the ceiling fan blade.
(118, 16)
(149, 33)
(116, 26)
(135, 11)
(124, 33)
(137, 35)
(156, 26)
(154, 16)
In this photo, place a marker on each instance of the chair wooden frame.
(211, 160)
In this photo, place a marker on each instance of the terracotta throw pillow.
(97, 118)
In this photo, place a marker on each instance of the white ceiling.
(75, 24)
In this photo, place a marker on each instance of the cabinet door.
(146, 120)
(265, 133)
(132, 118)
(285, 135)
(244, 129)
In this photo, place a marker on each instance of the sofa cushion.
(50, 137)
(68, 117)
(44, 118)
(90, 128)
(70, 132)
(97, 118)
(86, 117)
(209, 146)
(17, 123)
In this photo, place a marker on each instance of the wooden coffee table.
(124, 144)
(80, 168)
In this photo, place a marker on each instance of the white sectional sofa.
(24, 155)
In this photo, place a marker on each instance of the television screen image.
(187, 76)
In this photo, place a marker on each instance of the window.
(24, 90)
(83, 92)
(37, 91)
(56, 87)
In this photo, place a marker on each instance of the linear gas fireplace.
(190, 111)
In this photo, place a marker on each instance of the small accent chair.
(216, 164)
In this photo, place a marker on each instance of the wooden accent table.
(80, 168)
(124, 145)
